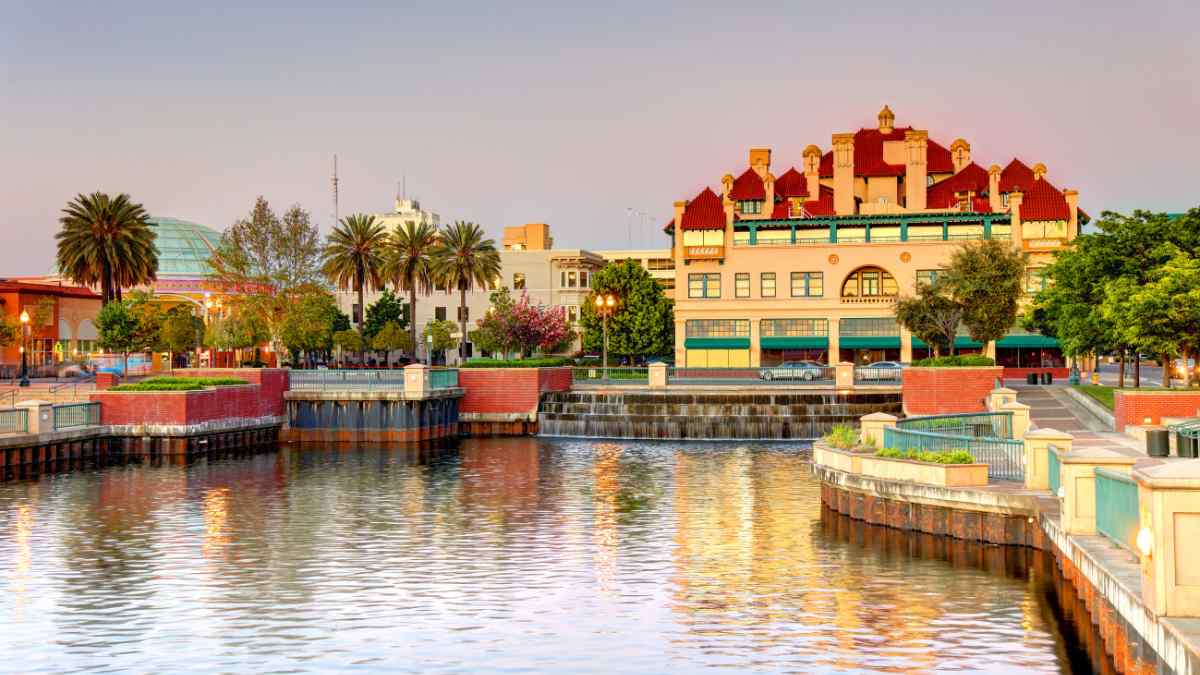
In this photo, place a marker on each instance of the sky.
(591, 117)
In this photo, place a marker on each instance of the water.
(505, 555)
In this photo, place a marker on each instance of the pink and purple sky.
(506, 114)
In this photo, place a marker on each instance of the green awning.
(717, 343)
(1027, 340)
(960, 342)
(870, 342)
(788, 342)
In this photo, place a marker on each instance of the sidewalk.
(1051, 407)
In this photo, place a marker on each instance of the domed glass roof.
(183, 247)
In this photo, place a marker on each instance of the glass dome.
(183, 247)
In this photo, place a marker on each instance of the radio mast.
(335, 192)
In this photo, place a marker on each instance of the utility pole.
(336, 215)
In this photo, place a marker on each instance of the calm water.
(502, 555)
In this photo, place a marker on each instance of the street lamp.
(24, 349)
(606, 306)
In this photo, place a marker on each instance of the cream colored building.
(408, 211)
(808, 264)
(657, 261)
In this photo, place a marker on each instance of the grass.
(930, 456)
(956, 361)
(842, 436)
(177, 383)
(1100, 393)
(548, 362)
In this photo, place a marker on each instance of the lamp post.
(606, 305)
(24, 349)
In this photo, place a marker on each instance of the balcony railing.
(703, 252)
(868, 299)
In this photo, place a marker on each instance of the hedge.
(956, 361)
(930, 456)
(177, 383)
(549, 362)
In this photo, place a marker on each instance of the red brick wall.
(106, 380)
(1133, 407)
(508, 390)
(181, 407)
(273, 381)
(935, 391)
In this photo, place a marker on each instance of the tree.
(181, 330)
(116, 330)
(409, 265)
(985, 279)
(442, 333)
(932, 316)
(149, 316)
(464, 259)
(308, 324)
(391, 338)
(348, 340)
(354, 257)
(265, 250)
(521, 326)
(1161, 316)
(644, 324)
(106, 241)
(387, 309)
(10, 331)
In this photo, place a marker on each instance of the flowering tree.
(521, 326)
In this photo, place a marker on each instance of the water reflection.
(499, 555)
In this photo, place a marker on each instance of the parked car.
(794, 370)
(880, 370)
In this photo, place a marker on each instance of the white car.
(794, 370)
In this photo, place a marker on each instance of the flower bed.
(177, 384)
(943, 469)
(956, 361)
(548, 362)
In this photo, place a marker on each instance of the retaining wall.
(937, 391)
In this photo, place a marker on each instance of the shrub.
(549, 362)
(956, 361)
(930, 456)
(177, 383)
(842, 436)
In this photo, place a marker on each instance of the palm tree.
(354, 257)
(106, 241)
(410, 266)
(464, 259)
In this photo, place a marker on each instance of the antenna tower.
(335, 192)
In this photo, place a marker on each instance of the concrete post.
(658, 375)
(873, 426)
(999, 396)
(416, 380)
(41, 415)
(1037, 463)
(1077, 476)
(1169, 513)
(1020, 418)
(844, 376)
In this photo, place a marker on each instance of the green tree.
(10, 331)
(986, 279)
(1161, 316)
(409, 265)
(386, 309)
(643, 324)
(106, 241)
(494, 332)
(347, 340)
(117, 330)
(149, 315)
(442, 332)
(932, 316)
(181, 330)
(308, 325)
(354, 257)
(390, 338)
(464, 259)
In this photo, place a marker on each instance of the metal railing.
(1188, 429)
(1005, 457)
(616, 375)
(72, 415)
(975, 425)
(803, 374)
(1117, 507)
(443, 378)
(1053, 469)
(73, 386)
(14, 421)
(346, 380)
(865, 374)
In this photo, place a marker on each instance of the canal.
(506, 555)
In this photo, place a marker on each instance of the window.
(583, 279)
(808, 284)
(869, 282)
(706, 285)
(794, 327)
(661, 264)
(869, 327)
(927, 277)
(572, 279)
(717, 328)
(1004, 199)
(519, 281)
(767, 285)
(464, 313)
(1035, 279)
(439, 313)
(741, 285)
(704, 238)
(750, 206)
(572, 313)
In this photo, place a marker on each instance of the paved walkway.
(1051, 407)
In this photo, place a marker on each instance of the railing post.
(1000, 396)
(873, 426)
(40, 416)
(1078, 479)
(1020, 418)
(1037, 463)
(1168, 501)
(416, 380)
(657, 375)
(844, 376)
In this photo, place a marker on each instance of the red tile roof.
(981, 205)
(822, 206)
(748, 187)
(1015, 176)
(937, 158)
(1043, 201)
(943, 195)
(791, 184)
(868, 154)
(705, 212)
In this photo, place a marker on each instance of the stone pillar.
(41, 415)
(833, 334)
(916, 145)
(999, 397)
(844, 376)
(1169, 513)
(1077, 476)
(873, 425)
(658, 375)
(681, 336)
(755, 343)
(1020, 418)
(1037, 465)
(416, 380)
(843, 174)
(906, 339)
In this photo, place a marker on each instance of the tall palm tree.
(410, 266)
(465, 259)
(354, 257)
(106, 241)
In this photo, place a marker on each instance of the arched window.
(869, 282)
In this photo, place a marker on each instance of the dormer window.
(928, 181)
(750, 207)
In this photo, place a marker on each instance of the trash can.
(1186, 446)
(1031, 378)
(1158, 443)
(1047, 378)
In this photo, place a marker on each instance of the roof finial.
(887, 120)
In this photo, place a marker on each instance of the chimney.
(887, 120)
(768, 208)
(994, 200)
(726, 186)
(916, 150)
(760, 161)
(812, 171)
(1072, 197)
(1014, 206)
(1039, 170)
(678, 237)
(960, 154)
(843, 173)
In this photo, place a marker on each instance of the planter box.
(273, 382)
(939, 391)
(940, 475)
(509, 391)
(212, 404)
(1132, 407)
(838, 459)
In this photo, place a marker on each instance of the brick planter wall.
(1133, 407)
(272, 381)
(107, 380)
(505, 400)
(937, 391)
(182, 407)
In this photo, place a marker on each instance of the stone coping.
(210, 387)
(370, 395)
(1093, 406)
(175, 430)
(1169, 475)
(1095, 456)
(1156, 392)
(996, 498)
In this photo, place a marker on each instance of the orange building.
(60, 327)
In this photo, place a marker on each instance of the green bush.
(177, 383)
(548, 362)
(842, 436)
(956, 361)
(930, 456)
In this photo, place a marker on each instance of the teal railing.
(1117, 507)
(71, 415)
(1054, 468)
(976, 425)
(1005, 457)
(14, 421)
(443, 378)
